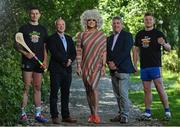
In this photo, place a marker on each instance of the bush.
(11, 87)
(170, 61)
(178, 83)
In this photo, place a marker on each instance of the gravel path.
(107, 107)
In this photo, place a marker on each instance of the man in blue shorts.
(148, 43)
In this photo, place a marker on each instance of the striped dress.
(90, 49)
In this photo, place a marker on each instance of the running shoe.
(41, 119)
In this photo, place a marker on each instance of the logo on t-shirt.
(145, 42)
(34, 36)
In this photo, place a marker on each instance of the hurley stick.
(20, 39)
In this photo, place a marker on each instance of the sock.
(167, 110)
(38, 111)
(148, 111)
(23, 112)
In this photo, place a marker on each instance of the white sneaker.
(167, 116)
(145, 117)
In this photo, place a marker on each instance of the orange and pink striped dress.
(90, 49)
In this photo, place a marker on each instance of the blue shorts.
(150, 73)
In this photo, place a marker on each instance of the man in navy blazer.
(63, 53)
(119, 46)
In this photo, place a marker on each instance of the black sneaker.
(123, 119)
(116, 118)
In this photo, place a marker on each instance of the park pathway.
(107, 106)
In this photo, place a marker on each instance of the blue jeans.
(120, 88)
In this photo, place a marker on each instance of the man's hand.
(29, 55)
(69, 63)
(161, 41)
(103, 71)
(44, 64)
(112, 65)
(136, 70)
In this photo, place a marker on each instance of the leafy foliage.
(171, 61)
(166, 14)
(11, 87)
(14, 13)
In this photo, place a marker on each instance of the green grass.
(172, 89)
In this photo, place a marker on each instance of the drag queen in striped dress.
(91, 58)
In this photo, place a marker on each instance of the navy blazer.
(121, 54)
(59, 56)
